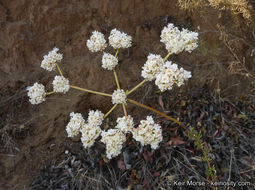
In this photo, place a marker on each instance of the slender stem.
(115, 105)
(90, 91)
(118, 84)
(167, 57)
(124, 109)
(59, 70)
(158, 112)
(136, 87)
(116, 78)
(116, 54)
(49, 93)
(141, 83)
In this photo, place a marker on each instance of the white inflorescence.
(61, 84)
(170, 74)
(109, 61)
(119, 96)
(113, 139)
(125, 124)
(36, 93)
(49, 61)
(96, 42)
(176, 41)
(119, 39)
(152, 67)
(190, 40)
(148, 132)
(89, 134)
(168, 33)
(75, 124)
(95, 118)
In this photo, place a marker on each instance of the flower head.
(49, 61)
(96, 42)
(189, 39)
(119, 39)
(169, 33)
(125, 124)
(95, 118)
(170, 75)
(119, 96)
(152, 67)
(75, 124)
(109, 61)
(176, 41)
(113, 139)
(89, 135)
(36, 93)
(61, 84)
(148, 132)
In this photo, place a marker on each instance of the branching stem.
(158, 112)
(90, 91)
(136, 87)
(115, 105)
(59, 70)
(116, 78)
(49, 93)
(167, 57)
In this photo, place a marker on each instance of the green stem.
(115, 105)
(90, 91)
(124, 109)
(158, 112)
(59, 70)
(49, 93)
(116, 54)
(116, 78)
(167, 57)
(136, 87)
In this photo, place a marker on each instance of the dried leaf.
(121, 165)
(177, 141)
(156, 174)
(183, 103)
(161, 103)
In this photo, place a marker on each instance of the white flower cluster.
(89, 134)
(96, 42)
(61, 84)
(119, 96)
(75, 124)
(90, 131)
(109, 61)
(113, 139)
(36, 93)
(176, 41)
(119, 39)
(49, 61)
(125, 124)
(148, 132)
(95, 118)
(189, 39)
(170, 74)
(152, 67)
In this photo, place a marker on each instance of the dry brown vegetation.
(236, 7)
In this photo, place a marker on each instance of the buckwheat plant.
(166, 75)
